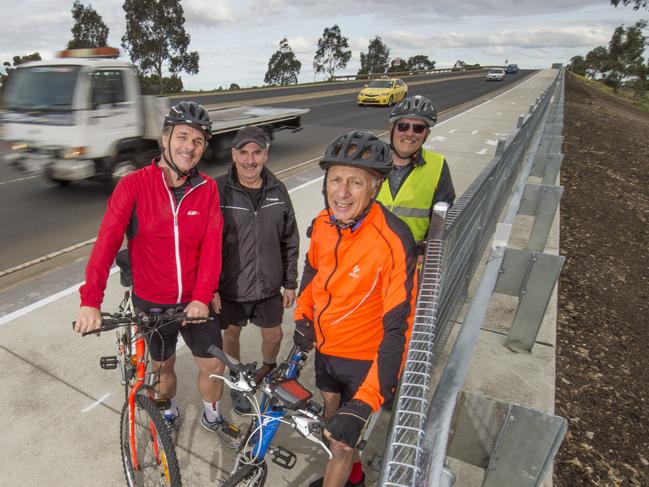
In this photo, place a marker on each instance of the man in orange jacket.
(357, 298)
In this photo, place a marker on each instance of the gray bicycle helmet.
(415, 107)
(359, 148)
(189, 113)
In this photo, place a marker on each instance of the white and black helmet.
(359, 148)
(416, 106)
(189, 113)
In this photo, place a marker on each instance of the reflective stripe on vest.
(415, 197)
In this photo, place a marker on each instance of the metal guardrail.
(418, 433)
(399, 74)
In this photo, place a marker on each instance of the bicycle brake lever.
(240, 385)
(303, 426)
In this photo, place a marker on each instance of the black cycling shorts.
(198, 336)
(340, 375)
(265, 313)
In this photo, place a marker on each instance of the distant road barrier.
(401, 74)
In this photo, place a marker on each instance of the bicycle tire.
(247, 475)
(164, 473)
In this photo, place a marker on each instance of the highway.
(40, 218)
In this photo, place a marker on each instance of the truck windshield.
(46, 88)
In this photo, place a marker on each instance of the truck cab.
(70, 117)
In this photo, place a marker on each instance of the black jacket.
(260, 248)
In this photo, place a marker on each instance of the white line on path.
(474, 132)
(452, 131)
(96, 403)
(45, 301)
(482, 152)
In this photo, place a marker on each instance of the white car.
(496, 74)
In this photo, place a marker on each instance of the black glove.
(304, 334)
(349, 422)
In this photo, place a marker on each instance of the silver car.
(496, 74)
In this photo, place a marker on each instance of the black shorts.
(265, 313)
(198, 336)
(340, 375)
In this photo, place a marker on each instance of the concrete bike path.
(62, 410)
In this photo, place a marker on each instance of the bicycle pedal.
(284, 458)
(108, 363)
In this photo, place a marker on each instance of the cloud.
(208, 12)
(565, 36)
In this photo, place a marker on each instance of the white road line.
(19, 179)
(452, 131)
(482, 152)
(43, 302)
(474, 132)
(96, 403)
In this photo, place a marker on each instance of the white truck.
(81, 116)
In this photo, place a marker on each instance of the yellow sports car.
(383, 92)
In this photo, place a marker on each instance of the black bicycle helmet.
(359, 148)
(189, 113)
(415, 107)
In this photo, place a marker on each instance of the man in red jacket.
(171, 216)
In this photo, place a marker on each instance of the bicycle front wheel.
(247, 475)
(154, 463)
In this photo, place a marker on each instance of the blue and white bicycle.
(283, 400)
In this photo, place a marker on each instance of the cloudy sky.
(235, 38)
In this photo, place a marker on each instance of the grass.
(626, 94)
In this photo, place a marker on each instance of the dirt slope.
(603, 329)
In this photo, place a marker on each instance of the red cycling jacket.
(359, 289)
(175, 250)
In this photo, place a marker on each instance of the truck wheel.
(59, 182)
(125, 164)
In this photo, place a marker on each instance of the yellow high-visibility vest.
(415, 197)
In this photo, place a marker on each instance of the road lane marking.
(43, 302)
(18, 180)
(96, 403)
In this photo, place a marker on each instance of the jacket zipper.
(174, 210)
(326, 286)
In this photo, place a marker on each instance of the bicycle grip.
(231, 362)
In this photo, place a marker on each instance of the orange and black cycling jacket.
(359, 289)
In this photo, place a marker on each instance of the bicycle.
(284, 400)
(147, 448)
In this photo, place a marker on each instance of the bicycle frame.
(271, 418)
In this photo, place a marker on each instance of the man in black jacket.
(260, 249)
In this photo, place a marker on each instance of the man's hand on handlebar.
(196, 309)
(88, 319)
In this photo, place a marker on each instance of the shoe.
(240, 403)
(320, 481)
(228, 433)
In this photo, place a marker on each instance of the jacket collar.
(195, 177)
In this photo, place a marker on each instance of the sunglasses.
(418, 128)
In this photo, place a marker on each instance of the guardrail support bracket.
(541, 202)
(531, 276)
(514, 444)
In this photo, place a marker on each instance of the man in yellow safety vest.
(420, 178)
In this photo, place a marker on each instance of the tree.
(333, 51)
(625, 58)
(420, 63)
(376, 59)
(283, 66)
(16, 61)
(578, 65)
(156, 40)
(151, 85)
(636, 3)
(234, 86)
(89, 29)
(597, 61)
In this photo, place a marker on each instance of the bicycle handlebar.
(115, 320)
